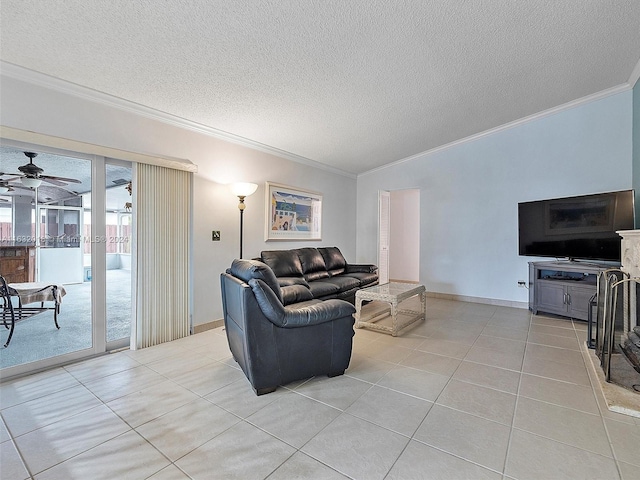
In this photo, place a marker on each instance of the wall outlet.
(522, 283)
(215, 236)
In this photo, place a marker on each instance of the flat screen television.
(582, 227)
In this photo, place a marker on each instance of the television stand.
(563, 288)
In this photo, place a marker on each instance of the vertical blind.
(162, 199)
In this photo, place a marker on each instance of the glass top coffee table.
(385, 303)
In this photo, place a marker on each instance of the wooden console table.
(394, 294)
(17, 263)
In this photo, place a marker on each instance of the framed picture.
(292, 213)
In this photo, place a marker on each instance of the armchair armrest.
(361, 268)
(292, 316)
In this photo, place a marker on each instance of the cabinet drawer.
(15, 278)
(10, 266)
(13, 253)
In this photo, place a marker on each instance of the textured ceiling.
(354, 84)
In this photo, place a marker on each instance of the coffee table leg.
(394, 318)
(358, 310)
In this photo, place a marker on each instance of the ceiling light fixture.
(31, 182)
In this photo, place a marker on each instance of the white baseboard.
(486, 301)
(203, 327)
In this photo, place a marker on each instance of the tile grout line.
(434, 403)
(515, 407)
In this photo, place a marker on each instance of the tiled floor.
(476, 391)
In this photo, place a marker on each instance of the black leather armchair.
(276, 344)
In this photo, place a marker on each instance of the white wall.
(216, 209)
(43, 110)
(470, 191)
(60, 265)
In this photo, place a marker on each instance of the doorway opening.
(399, 236)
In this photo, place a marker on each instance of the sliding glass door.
(46, 220)
(118, 221)
(77, 220)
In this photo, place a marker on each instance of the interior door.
(384, 205)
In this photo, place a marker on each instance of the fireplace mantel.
(630, 251)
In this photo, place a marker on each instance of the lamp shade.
(31, 182)
(243, 189)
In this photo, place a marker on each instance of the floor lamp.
(242, 190)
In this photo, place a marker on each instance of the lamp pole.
(242, 190)
(241, 207)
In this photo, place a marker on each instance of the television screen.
(581, 227)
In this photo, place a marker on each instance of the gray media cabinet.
(563, 288)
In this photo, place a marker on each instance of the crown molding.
(516, 123)
(635, 75)
(64, 146)
(42, 80)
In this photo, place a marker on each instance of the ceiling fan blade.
(62, 179)
(71, 192)
(52, 181)
(21, 187)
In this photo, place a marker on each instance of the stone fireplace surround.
(622, 399)
(630, 253)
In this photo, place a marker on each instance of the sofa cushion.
(284, 263)
(321, 289)
(364, 278)
(287, 281)
(246, 270)
(333, 259)
(313, 266)
(343, 282)
(295, 294)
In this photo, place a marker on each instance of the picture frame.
(292, 213)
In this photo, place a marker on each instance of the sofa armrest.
(302, 316)
(361, 268)
(317, 313)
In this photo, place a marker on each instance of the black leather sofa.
(318, 273)
(276, 344)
